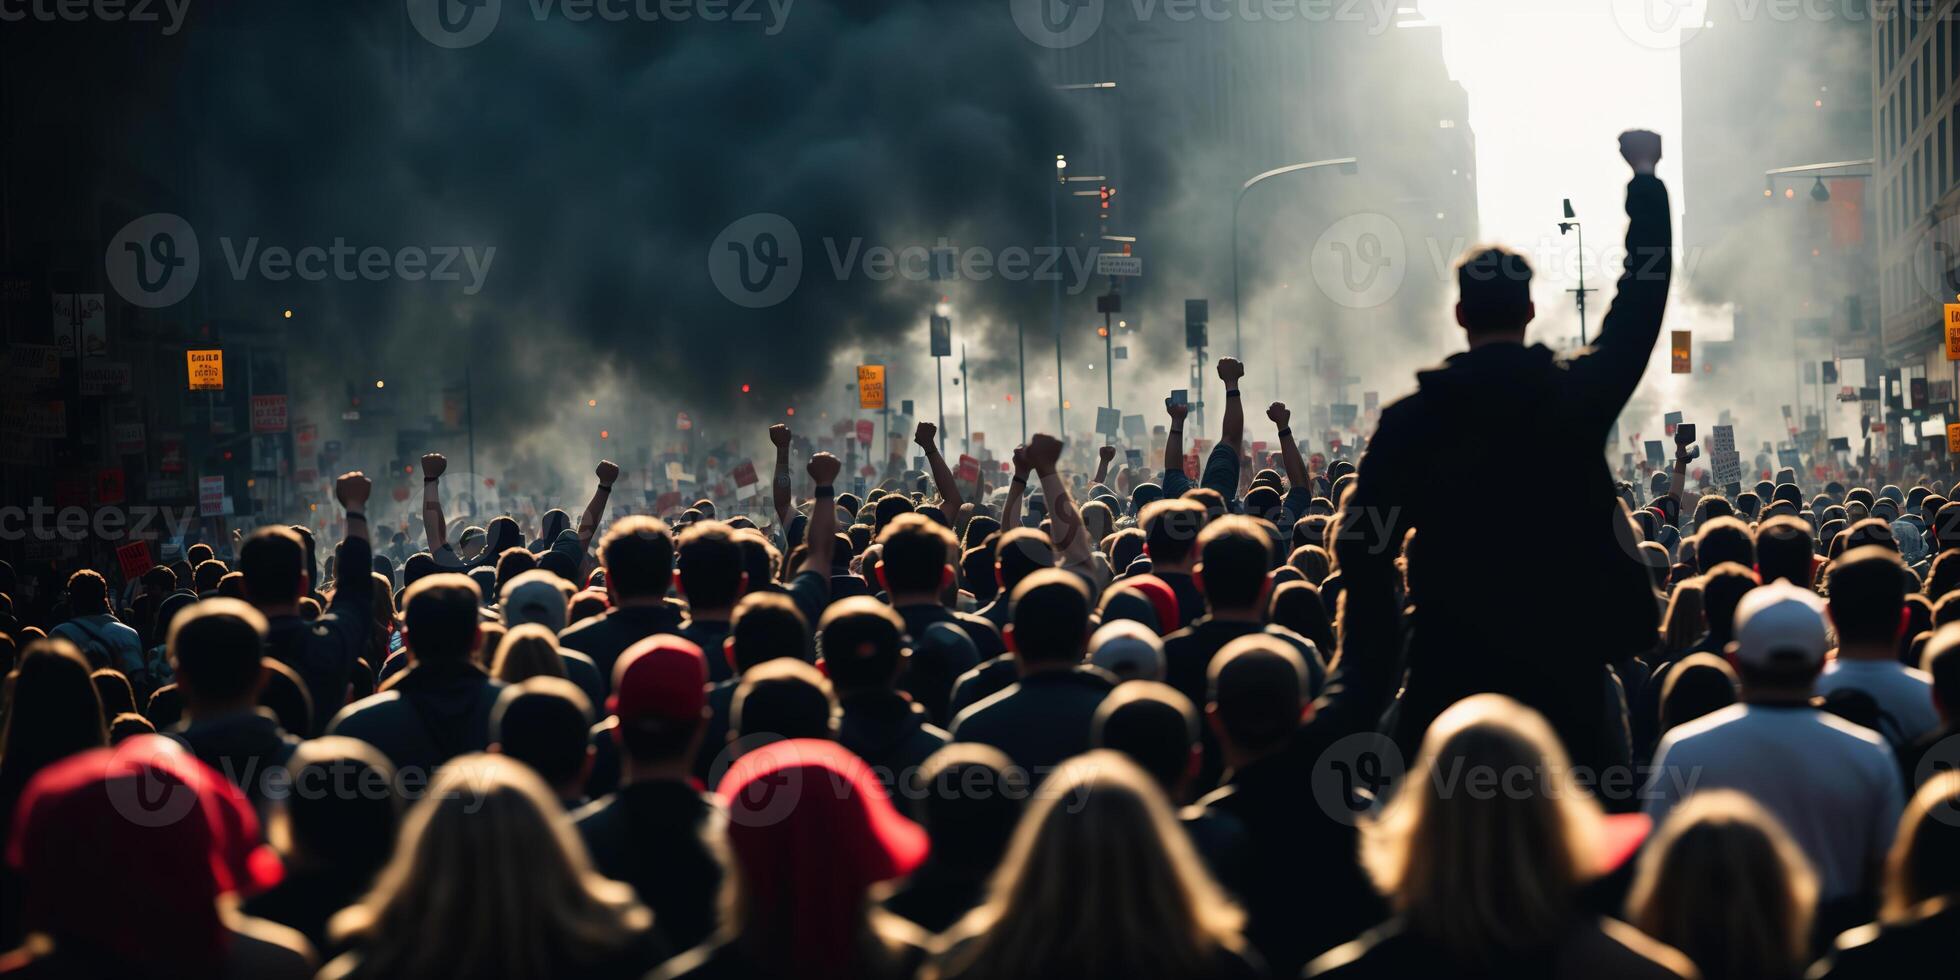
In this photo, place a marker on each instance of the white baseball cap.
(1128, 649)
(1780, 625)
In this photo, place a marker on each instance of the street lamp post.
(1348, 165)
(1573, 226)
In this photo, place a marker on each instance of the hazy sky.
(1551, 83)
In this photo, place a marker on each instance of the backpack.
(1860, 708)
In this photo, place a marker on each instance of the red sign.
(669, 501)
(268, 414)
(744, 474)
(682, 422)
(109, 486)
(1191, 465)
(134, 558)
(172, 459)
(864, 432)
(969, 468)
(869, 470)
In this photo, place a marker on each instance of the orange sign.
(1953, 331)
(1683, 359)
(871, 386)
(206, 369)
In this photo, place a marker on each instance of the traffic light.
(1106, 192)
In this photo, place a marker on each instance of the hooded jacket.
(888, 731)
(434, 713)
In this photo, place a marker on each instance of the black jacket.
(433, 714)
(243, 746)
(606, 636)
(655, 836)
(323, 651)
(1539, 617)
(1604, 951)
(890, 733)
(1903, 949)
(982, 682)
(1041, 721)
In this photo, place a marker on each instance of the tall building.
(1916, 57)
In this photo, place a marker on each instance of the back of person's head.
(1297, 606)
(441, 620)
(1724, 539)
(1941, 659)
(1234, 556)
(889, 508)
(274, 562)
(1867, 589)
(970, 799)
(1785, 550)
(199, 552)
(1051, 618)
(419, 564)
(1098, 519)
(765, 626)
(1924, 864)
(1155, 726)
(638, 555)
(977, 574)
(1256, 692)
(1019, 553)
(216, 646)
(1485, 875)
(536, 596)
(512, 563)
(1700, 684)
(783, 699)
(711, 566)
(1723, 883)
(1101, 849)
(862, 643)
(544, 722)
(490, 878)
(1171, 529)
(88, 593)
(485, 577)
(524, 651)
(1721, 589)
(1870, 532)
(1493, 286)
(53, 711)
(1125, 647)
(209, 573)
(112, 686)
(343, 808)
(1211, 500)
(915, 555)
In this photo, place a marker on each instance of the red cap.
(168, 833)
(1620, 837)
(781, 793)
(660, 678)
(1162, 598)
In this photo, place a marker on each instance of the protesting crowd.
(1293, 717)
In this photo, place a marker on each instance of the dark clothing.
(604, 637)
(1536, 622)
(985, 638)
(1190, 601)
(999, 612)
(1588, 952)
(901, 958)
(982, 682)
(580, 670)
(714, 732)
(811, 592)
(892, 735)
(324, 650)
(1041, 721)
(307, 900)
(243, 747)
(434, 713)
(654, 835)
(1187, 661)
(708, 635)
(930, 681)
(1912, 756)
(1900, 949)
(937, 895)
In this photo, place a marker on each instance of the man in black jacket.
(638, 556)
(440, 707)
(322, 651)
(862, 642)
(1589, 599)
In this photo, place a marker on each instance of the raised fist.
(607, 471)
(1279, 413)
(1021, 461)
(352, 489)
(1106, 453)
(433, 465)
(1043, 452)
(1641, 149)
(926, 435)
(1230, 370)
(779, 435)
(824, 469)
(1176, 412)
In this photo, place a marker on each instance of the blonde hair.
(1485, 868)
(1723, 883)
(526, 651)
(489, 880)
(1682, 626)
(1098, 849)
(1920, 867)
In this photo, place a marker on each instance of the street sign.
(871, 386)
(1109, 421)
(1953, 331)
(205, 369)
(268, 413)
(942, 336)
(210, 496)
(1110, 264)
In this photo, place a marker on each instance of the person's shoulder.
(976, 622)
(1849, 733)
(590, 628)
(1609, 948)
(591, 814)
(1691, 734)
(979, 711)
(1180, 637)
(710, 959)
(262, 948)
(1367, 955)
(366, 711)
